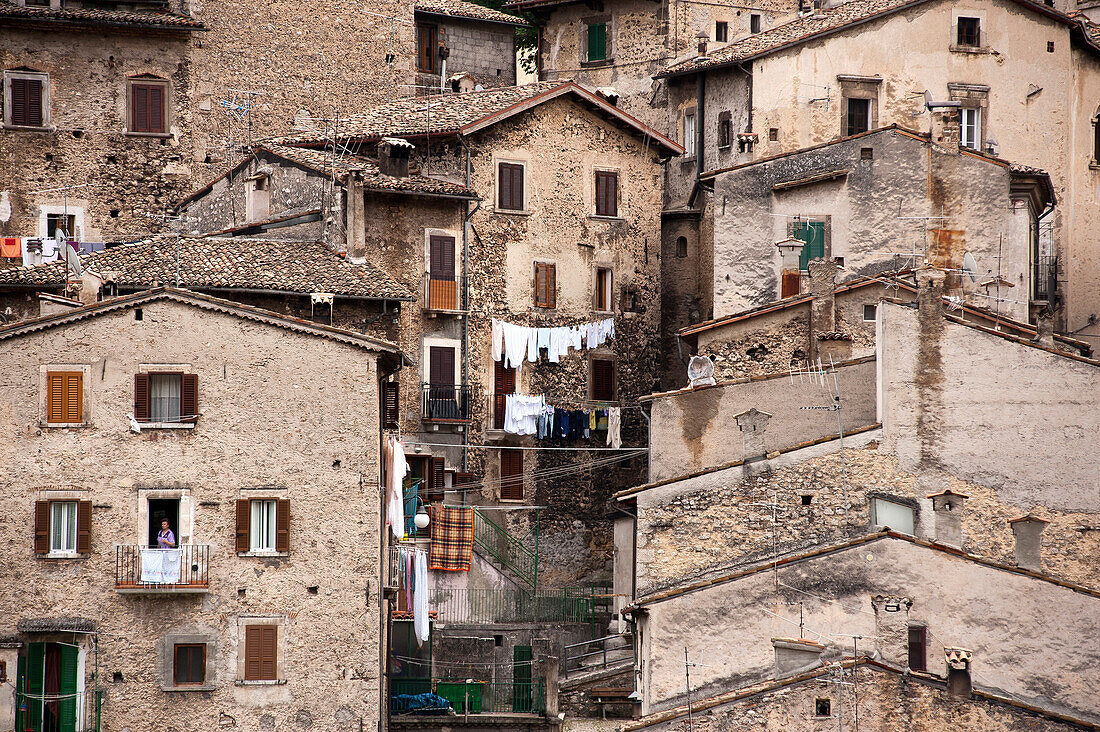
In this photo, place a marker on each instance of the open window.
(918, 648)
(968, 32)
(165, 398)
(50, 687)
(263, 525)
(62, 528)
(603, 290)
(688, 134)
(427, 40)
(721, 31)
(970, 127)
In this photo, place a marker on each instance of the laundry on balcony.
(513, 344)
(395, 467)
(452, 538)
(521, 413)
(161, 566)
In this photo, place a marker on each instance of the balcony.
(184, 570)
(444, 296)
(445, 403)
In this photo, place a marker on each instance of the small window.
(773, 134)
(603, 289)
(807, 499)
(1096, 137)
(148, 107)
(390, 405)
(26, 97)
(511, 475)
(870, 313)
(682, 247)
(427, 36)
(823, 708)
(754, 23)
(165, 397)
(607, 193)
(1050, 46)
(969, 32)
(597, 42)
(510, 187)
(261, 652)
(858, 116)
(546, 285)
(721, 31)
(918, 644)
(896, 516)
(867, 153)
(61, 226)
(37, 3)
(970, 127)
(689, 134)
(189, 664)
(64, 397)
(63, 527)
(603, 380)
(725, 130)
(262, 526)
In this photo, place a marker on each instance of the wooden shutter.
(607, 193)
(83, 527)
(26, 102)
(70, 666)
(156, 108)
(189, 398)
(34, 685)
(74, 397)
(597, 42)
(55, 397)
(813, 233)
(441, 365)
(139, 106)
(389, 405)
(510, 186)
(504, 383)
(41, 527)
(141, 397)
(260, 652)
(546, 285)
(511, 474)
(465, 478)
(282, 525)
(441, 258)
(603, 380)
(243, 521)
(435, 478)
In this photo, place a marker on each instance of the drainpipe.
(748, 73)
(700, 111)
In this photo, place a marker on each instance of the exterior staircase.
(518, 560)
(596, 659)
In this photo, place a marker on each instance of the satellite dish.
(970, 266)
(700, 371)
(72, 259)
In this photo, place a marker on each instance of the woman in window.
(165, 539)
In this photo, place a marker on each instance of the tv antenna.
(816, 374)
(775, 508)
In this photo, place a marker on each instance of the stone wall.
(486, 51)
(268, 426)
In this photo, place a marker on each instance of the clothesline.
(536, 447)
(513, 344)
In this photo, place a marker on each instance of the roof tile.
(88, 16)
(460, 9)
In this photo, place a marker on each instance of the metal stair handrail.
(506, 549)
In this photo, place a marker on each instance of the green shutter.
(597, 42)
(35, 683)
(813, 233)
(20, 672)
(67, 707)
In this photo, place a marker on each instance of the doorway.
(161, 509)
(49, 688)
(522, 700)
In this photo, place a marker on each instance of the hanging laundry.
(10, 248)
(498, 338)
(420, 599)
(543, 339)
(452, 538)
(533, 344)
(396, 467)
(516, 338)
(613, 437)
(521, 413)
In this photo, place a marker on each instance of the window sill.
(259, 682)
(167, 425)
(62, 555)
(598, 217)
(27, 128)
(190, 687)
(597, 64)
(510, 212)
(157, 135)
(64, 425)
(688, 158)
(263, 554)
(954, 48)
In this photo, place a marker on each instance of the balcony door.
(504, 383)
(442, 396)
(161, 509)
(442, 292)
(49, 687)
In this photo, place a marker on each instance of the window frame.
(874, 313)
(721, 31)
(522, 168)
(513, 480)
(56, 551)
(165, 107)
(606, 175)
(548, 298)
(689, 134)
(962, 41)
(43, 525)
(592, 382)
(874, 510)
(866, 118)
(603, 288)
(681, 251)
(264, 625)
(261, 522)
(756, 23)
(42, 78)
(975, 144)
(427, 53)
(189, 391)
(922, 631)
(243, 541)
(589, 24)
(176, 667)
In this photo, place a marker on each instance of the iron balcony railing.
(468, 696)
(444, 295)
(1044, 278)
(80, 712)
(596, 654)
(446, 402)
(506, 549)
(461, 606)
(142, 569)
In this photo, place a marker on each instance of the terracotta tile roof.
(211, 263)
(824, 22)
(82, 16)
(460, 9)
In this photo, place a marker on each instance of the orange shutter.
(74, 397)
(83, 527)
(242, 526)
(41, 527)
(55, 397)
(189, 398)
(282, 526)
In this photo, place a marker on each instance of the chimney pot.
(753, 423)
(795, 655)
(1028, 531)
(948, 508)
(702, 37)
(393, 157)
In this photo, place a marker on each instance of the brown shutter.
(41, 527)
(141, 397)
(282, 526)
(517, 187)
(252, 643)
(156, 108)
(26, 102)
(269, 653)
(540, 285)
(441, 258)
(504, 383)
(189, 398)
(551, 285)
(139, 103)
(511, 474)
(389, 405)
(243, 518)
(83, 527)
(613, 194)
(74, 397)
(504, 185)
(465, 478)
(603, 380)
(441, 366)
(55, 397)
(436, 481)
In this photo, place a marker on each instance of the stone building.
(480, 46)
(138, 412)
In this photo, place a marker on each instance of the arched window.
(682, 247)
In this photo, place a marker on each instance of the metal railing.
(445, 402)
(506, 549)
(444, 295)
(143, 568)
(497, 606)
(80, 712)
(1044, 278)
(470, 696)
(595, 654)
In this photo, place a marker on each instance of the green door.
(67, 688)
(521, 679)
(813, 233)
(49, 716)
(34, 684)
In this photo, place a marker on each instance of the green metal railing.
(518, 558)
(49, 712)
(472, 696)
(475, 607)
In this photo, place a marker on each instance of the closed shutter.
(35, 684)
(436, 477)
(83, 527)
(441, 365)
(26, 102)
(511, 474)
(41, 527)
(546, 285)
(242, 526)
(603, 380)
(510, 186)
(607, 193)
(67, 690)
(441, 258)
(260, 652)
(504, 383)
(389, 405)
(597, 42)
(55, 397)
(465, 478)
(268, 651)
(139, 103)
(282, 526)
(156, 109)
(141, 397)
(74, 397)
(189, 398)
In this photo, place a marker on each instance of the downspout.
(700, 112)
(747, 73)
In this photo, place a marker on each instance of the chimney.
(945, 127)
(790, 251)
(948, 507)
(753, 423)
(702, 37)
(1044, 328)
(53, 304)
(930, 290)
(958, 671)
(1028, 530)
(892, 628)
(825, 340)
(393, 156)
(795, 655)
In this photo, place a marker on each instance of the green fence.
(486, 607)
(473, 696)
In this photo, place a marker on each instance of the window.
(603, 289)
(511, 475)
(896, 516)
(597, 42)
(969, 32)
(64, 397)
(427, 36)
(754, 23)
(546, 285)
(149, 107)
(510, 187)
(813, 233)
(1096, 137)
(189, 664)
(689, 134)
(1050, 46)
(62, 527)
(390, 406)
(725, 129)
(51, 670)
(870, 313)
(166, 398)
(263, 525)
(970, 127)
(60, 226)
(918, 644)
(26, 99)
(442, 286)
(721, 31)
(682, 247)
(261, 652)
(607, 193)
(823, 708)
(602, 380)
(773, 134)
(504, 383)
(858, 116)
